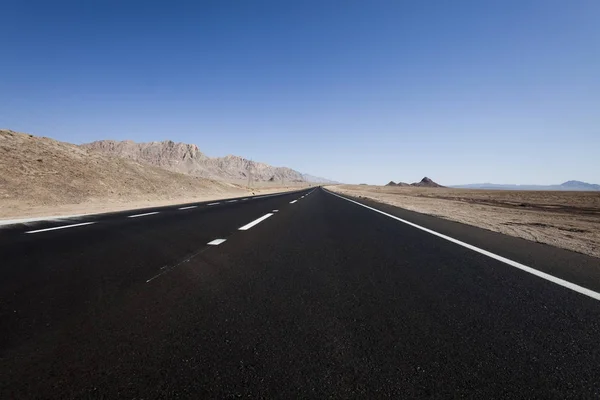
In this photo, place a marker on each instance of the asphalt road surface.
(300, 295)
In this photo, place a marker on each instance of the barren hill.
(187, 159)
(426, 182)
(37, 171)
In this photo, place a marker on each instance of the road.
(317, 296)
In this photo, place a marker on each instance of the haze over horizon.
(462, 92)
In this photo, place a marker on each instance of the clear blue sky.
(357, 91)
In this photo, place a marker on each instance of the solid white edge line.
(293, 201)
(540, 274)
(255, 222)
(216, 242)
(60, 227)
(271, 195)
(6, 222)
(186, 208)
(142, 215)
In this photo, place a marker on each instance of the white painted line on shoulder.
(142, 215)
(27, 220)
(540, 274)
(245, 199)
(213, 204)
(269, 195)
(231, 201)
(186, 208)
(216, 242)
(293, 201)
(60, 227)
(255, 222)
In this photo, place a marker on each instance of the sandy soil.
(44, 177)
(569, 220)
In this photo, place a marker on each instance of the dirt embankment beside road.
(44, 177)
(570, 220)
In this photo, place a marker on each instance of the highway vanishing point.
(305, 294)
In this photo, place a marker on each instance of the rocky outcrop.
(426, 182)
(188, 159)
(392, 183)
(177, 157)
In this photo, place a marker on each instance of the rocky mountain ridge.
(37, 172)
(189, 160)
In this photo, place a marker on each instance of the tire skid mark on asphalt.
(166, 269)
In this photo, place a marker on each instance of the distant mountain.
(189, 160)
(392, 183)
(426, 182)
(578, 185)
(569, 185)
(316, 179)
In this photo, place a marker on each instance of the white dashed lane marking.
(187, 208)
(216, 242)
(255, 222)
(293, 201)
(213, 204)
